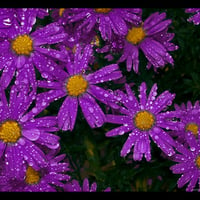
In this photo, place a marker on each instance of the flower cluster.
(57, 63)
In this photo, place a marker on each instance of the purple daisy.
(154, 41)
(20, 136)
(188, 162)
(144, 119)
(195, 18)
(21, 45)
(50, 178)
(190, 119)
(74, 186)
(107, 21)
(79, 86)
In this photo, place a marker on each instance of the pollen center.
(102, 10)
(135, 35)
(76, 85)
(144, 120)
(197, 161)
(61, 11)
(10, 131)
(22, 45)
(193, 128)
(32, 176)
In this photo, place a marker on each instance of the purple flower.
(20, 136)
(152, 38)
(79, 86)
(187, 162)
(74, 186)
(107, 21)
(144, 120)
(49, 178)
(190, 118)
(195, 18)
(21, 45)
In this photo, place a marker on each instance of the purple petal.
(67, 113)
(31, 134)
(107, 73)
(92, 111)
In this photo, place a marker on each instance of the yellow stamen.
(61, 11)
(135, 35)
(96, 41)
(76, 85)
(193, 128)
(197, 161)
(103, 10)
(32, 176)
(144, 120)
(22, 45)
(10, 131)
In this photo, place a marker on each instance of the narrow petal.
(67, 113)
(92, 111)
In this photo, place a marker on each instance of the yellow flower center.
(32, 176)
(22, 45)
(135, 35)
(10, 131)
(103, 10)
(193, 128)
(61, 11)
(197, 161)
(144, 120)
(76, 85)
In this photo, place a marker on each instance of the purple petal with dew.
(34, 155)
(162, 101)
(181, 168)
(43, 100)
(48, 30)
(142, 95)
(185, 178)
(4, 109)
(191, 140)
(156, 136)
(193, 181)
(118, 25)
(159, 27)
(107, 73)
(118, 131)
(132, 101)
(7, 75)
(31, 134)
(49, 84)
(48, 67)
(130, 142)
(20, 61)
(41, 122)
(152, 96)
(118, 119)
(53, 39)
(54, 53)
(153, 20)
(49, 140)
(14, 162)
(105, 28)
(67, 113)
(104, 96)
(92, 111)
(81, 58)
